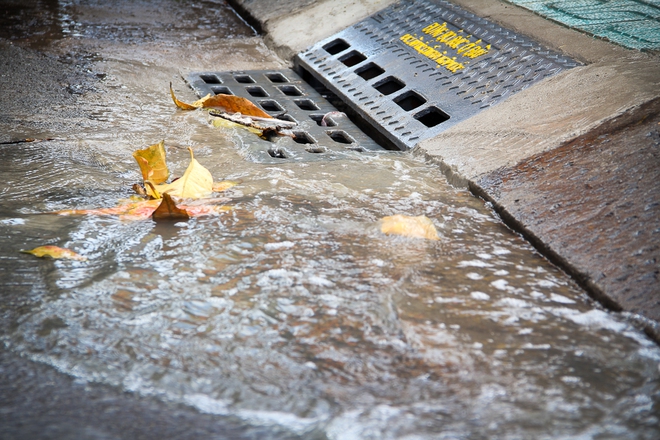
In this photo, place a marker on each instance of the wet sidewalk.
(572, 162)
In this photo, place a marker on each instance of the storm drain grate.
(284, 95)
(419, 67)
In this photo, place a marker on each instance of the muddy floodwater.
(289, 310)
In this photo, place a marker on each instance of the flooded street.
(290, 310)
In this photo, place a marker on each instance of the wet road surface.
(290, 314)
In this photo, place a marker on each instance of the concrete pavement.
(602, 223)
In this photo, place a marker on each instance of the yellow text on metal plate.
(441, 37)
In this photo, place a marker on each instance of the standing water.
(290, 309)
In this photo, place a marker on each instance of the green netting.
(630, 23)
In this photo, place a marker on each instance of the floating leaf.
(145, 209)
(55, 252)
(228, 103)
(421, 227)
(196, 182)
(152, 163)
(167, 210)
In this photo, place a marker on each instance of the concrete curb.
(615, 88)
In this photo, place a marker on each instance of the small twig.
(22, 141)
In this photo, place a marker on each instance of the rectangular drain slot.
(419, 67)
(321, 133)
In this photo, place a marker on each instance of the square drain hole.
(301, 137)
(271, 106)
(221, 90)
(306, 104)
(352, 58)
(277, 77)
(370, 71)
(257, 91)
(287, 118)
(389, 85)
(341, 137)
(432, 116)
(316, 149)
(277, 153)
(409, 100)
(244, 79)
(210, 79)
(290, 90)
(336, 46)
(329, 122)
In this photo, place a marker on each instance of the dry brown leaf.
(228, 103)
(55, 252)
(167, 210)
(152, 163)
(420, 227)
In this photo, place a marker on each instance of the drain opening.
(352, 58)
(210, 79)
(370, 71)
(389, 85)
(341, 137)
(277, 77)
(336, 46)
(329, 122)
(287, 118)
(409, 100)
(306, 104)
(257, 91)
(244, 79)
(276, 153)
(221, 90)
(432, 116)
(302, 137)
(290, 90)
(271, 106)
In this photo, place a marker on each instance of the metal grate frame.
(393, 70)
(284, 95)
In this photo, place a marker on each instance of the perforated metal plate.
(418, 67)
(284, 95)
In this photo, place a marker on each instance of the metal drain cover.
(418, 67)
(284, 95)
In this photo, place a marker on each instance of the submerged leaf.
(55, 252)
(420, 227)
(224, 185)
(130, 210)
(167, 210)
(228, 103)
(196, 182)
(152, 163)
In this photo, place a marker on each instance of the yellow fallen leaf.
(421, 227)
(224, 123)
(196, 183)
(228, 103)
(55, 252)
(152, 163)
